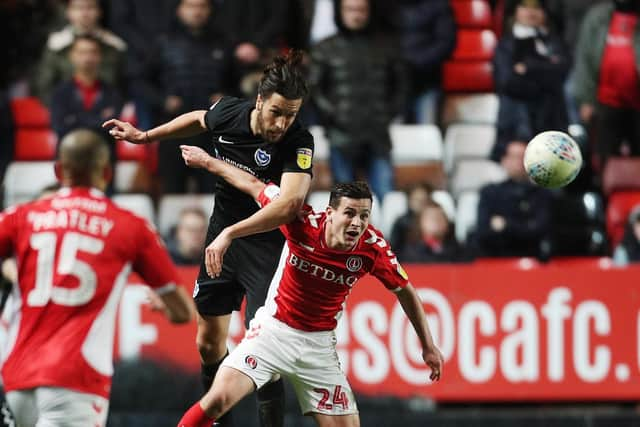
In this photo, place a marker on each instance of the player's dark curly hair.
(285, 76)
(352, 190)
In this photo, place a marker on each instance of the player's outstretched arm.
(293, 190)
(196, 157)
(188, 124)
(412, 307)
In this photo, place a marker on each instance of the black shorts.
(247, 269)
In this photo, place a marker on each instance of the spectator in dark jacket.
(427, 35)
(84, 101)
(530, 67)
(514, 216)
(192, 70)
(433, 240)
(358, 85)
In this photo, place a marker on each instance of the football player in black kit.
(265, 139)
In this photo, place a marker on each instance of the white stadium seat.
(394, 206)
(139, 204)
(125, 175)
(321, 143)
(171, 205)
(470, 108)
(467, 141)
(472, 175)
(466, 215)
(23, 181)
(445, 200)
(414, 144)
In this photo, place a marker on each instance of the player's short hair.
(285, 76)
(82, 152)
(87, 37)
(352, 190)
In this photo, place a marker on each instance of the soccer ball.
(552, 159)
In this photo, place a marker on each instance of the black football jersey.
(228, 121)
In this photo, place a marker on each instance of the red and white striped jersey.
(312, 282)
(74, 253)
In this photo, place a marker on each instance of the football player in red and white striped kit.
(74, 253)
(293, 334)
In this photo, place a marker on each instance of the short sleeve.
(152, 260)
(298, 157)
(386, 267)
(7, 231)
(215, 114)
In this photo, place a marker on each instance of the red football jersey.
(312, 282)
(74, 253)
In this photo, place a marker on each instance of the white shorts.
(308, 359)
(57, 407)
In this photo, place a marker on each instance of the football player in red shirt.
(293, 334)
(74, 253)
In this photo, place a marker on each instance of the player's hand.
(154, 301)
(195, 157)
(434, 359)
(214, 253)
(125, 131)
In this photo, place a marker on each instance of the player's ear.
(259, 102)
(107, 173)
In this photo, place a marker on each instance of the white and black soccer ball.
(552, 159)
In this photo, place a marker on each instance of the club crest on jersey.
(304, 157)
(251, 361)
(261, 157)
(354, 263)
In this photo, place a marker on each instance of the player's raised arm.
(185, 125)
(412, 307)
(196, 157)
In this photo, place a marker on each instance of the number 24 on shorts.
(339, 398)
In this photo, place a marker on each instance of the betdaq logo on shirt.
(321, 272)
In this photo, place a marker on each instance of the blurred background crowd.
(431, 101)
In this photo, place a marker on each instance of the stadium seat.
(445, 200)
(30, 112)
(467, 141)
(395, 205)
(474, 45)
(139, 204)
(621, 174)
(467, 76)
(23, 181)
(472, 13)
(415, 143)
(127, 151)
(171, 205)
(466, 215)
(321, 143)
(619, 206)
(471, 175)
(470, 108)
(35, 144)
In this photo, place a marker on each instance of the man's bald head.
(83, 158)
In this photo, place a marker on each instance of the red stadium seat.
(472, 14)
(463, 76)
(474, 45)
(35, 144)
(618, 209)
(621, 173)
(30, 112)
(127, 151)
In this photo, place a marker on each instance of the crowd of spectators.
(569, 65)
